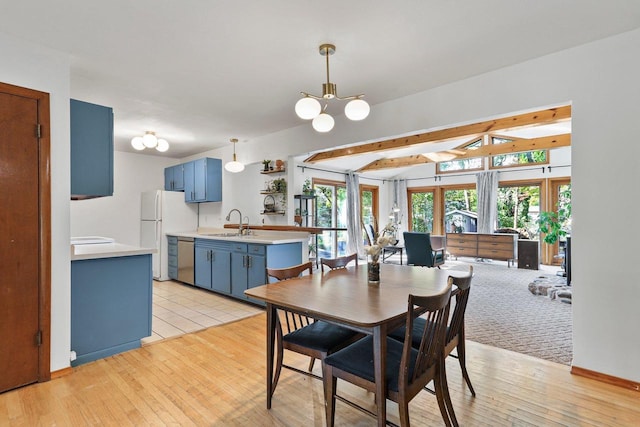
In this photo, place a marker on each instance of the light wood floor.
(217, 377)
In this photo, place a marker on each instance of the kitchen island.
(111, 299)
(228, 263)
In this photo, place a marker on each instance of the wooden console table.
(499, 246)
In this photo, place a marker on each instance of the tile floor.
(179, 308)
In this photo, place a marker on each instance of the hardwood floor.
(217, 377)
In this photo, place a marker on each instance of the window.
(518, 208)
(517, 159)
(368, 203)
(421, 210)
(331, 205)
(461, 207)
(466, 164)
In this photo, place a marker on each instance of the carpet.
(503, 313)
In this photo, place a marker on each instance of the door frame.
(44, 218)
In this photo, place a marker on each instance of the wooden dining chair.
(339, 262)
(303, 334)
(455, 338)
(408, 369)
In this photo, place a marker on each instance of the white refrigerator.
(164, 212)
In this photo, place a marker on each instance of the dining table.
(346, 298)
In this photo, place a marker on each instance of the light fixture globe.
(137, 143)
(163, 145)
(234, 167)
(357, 109)
(149, 140)
(307, 108)
(323, 122)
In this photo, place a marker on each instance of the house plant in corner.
(555, 225)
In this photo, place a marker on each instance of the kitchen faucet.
(246, 230)
(239, 222)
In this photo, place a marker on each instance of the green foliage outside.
(514, 205)
(422, 212)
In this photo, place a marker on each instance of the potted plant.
(306, 187)
(554, 225)
(266, 165)
(279, 185)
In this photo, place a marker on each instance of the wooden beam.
(518, 145)
(550, 115)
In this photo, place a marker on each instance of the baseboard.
(61, 373)
(609, 379)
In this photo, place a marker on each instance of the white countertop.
(264, 237)
(106, 250)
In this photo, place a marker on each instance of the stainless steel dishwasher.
(186, 256)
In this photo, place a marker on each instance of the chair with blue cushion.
(455, 338)
(407, 370)
(419, 251)
(303, 334)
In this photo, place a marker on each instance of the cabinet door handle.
(208, 255)
(213, 256)
(244, 261)
(249, 261)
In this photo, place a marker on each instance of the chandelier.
(308, 107)
(149, 140)
(234, 166)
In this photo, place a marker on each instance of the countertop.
(264, 237)
(106, 250)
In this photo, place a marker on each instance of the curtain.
(354, 225)
(400, 200)
(487, 189)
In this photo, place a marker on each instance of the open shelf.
(272, 213)
(273, 171)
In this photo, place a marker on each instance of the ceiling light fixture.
(234, 166)
(308, 107)
(149, 140)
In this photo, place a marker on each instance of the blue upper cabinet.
(91, 150)
(203, 180)
(174, 178)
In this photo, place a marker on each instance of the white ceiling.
(199, 72)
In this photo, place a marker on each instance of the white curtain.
(400, 200)
(354, 225)
(487, 188)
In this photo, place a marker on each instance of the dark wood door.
(19, 242)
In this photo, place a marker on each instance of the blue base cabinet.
(233, 267)
(212, 265)
(111, 300)
(91, 150)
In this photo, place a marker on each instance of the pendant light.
(309, 108)
(234, 166)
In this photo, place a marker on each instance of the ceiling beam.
(518, 145)
(550, 115)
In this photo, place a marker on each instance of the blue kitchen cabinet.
(213, 265)
(91, 150)
(232, 267)
(203, 180)
(174, 178)
(111, 301)
(172, 255)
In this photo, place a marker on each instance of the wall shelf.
(273, 171)
(272, 213)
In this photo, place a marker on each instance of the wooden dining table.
(344, 297)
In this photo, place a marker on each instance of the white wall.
(37, 68)
(119, 216)
(600, 81)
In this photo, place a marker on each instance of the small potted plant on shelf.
(279, 185)
(266, 165)
(306, 187)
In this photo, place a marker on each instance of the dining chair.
(419, 250)
(303, 334)
(408, 369)
(339, 262)
(455, 337)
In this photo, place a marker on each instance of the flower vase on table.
(373, 251)
(373, 270)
